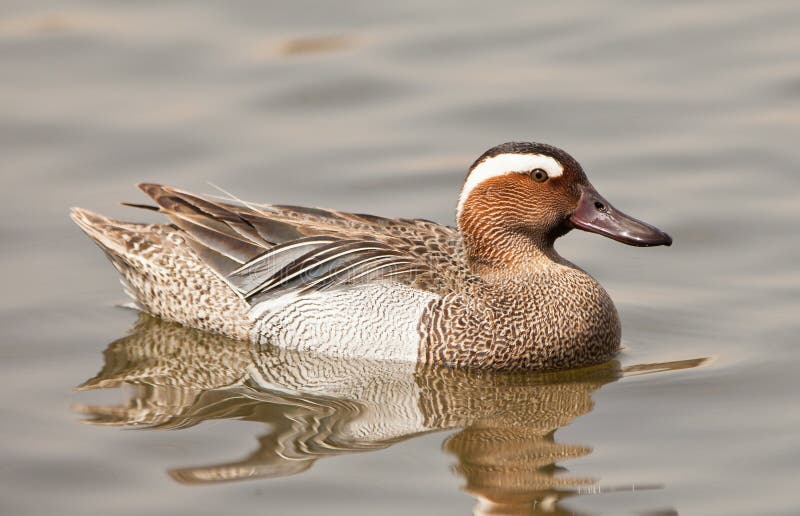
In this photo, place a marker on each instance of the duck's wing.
(264, 250)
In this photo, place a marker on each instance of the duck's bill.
(596, 215)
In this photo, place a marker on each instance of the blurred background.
(684, 114)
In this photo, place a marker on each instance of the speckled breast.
(550, 320)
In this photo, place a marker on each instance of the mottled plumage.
(491, 294)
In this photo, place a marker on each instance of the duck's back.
(300, 278)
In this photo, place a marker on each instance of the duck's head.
(533, 193)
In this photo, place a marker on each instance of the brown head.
(519, 197)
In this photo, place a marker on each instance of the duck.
(489, 293)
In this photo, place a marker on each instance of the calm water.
(686, 115)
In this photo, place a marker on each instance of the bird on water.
(490, 293)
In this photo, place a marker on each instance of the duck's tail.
(164, 276)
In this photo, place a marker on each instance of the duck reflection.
(317, 406)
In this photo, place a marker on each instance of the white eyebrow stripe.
(503, 164)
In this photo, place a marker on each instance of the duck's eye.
(539, 175)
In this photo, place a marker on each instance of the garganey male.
(490, 293)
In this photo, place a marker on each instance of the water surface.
(686, 115)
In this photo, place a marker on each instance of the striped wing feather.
(266, 250)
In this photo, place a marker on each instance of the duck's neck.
(493, 251)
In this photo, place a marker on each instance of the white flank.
(503, 164)
(373, 321)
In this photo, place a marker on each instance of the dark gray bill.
(596, 215)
